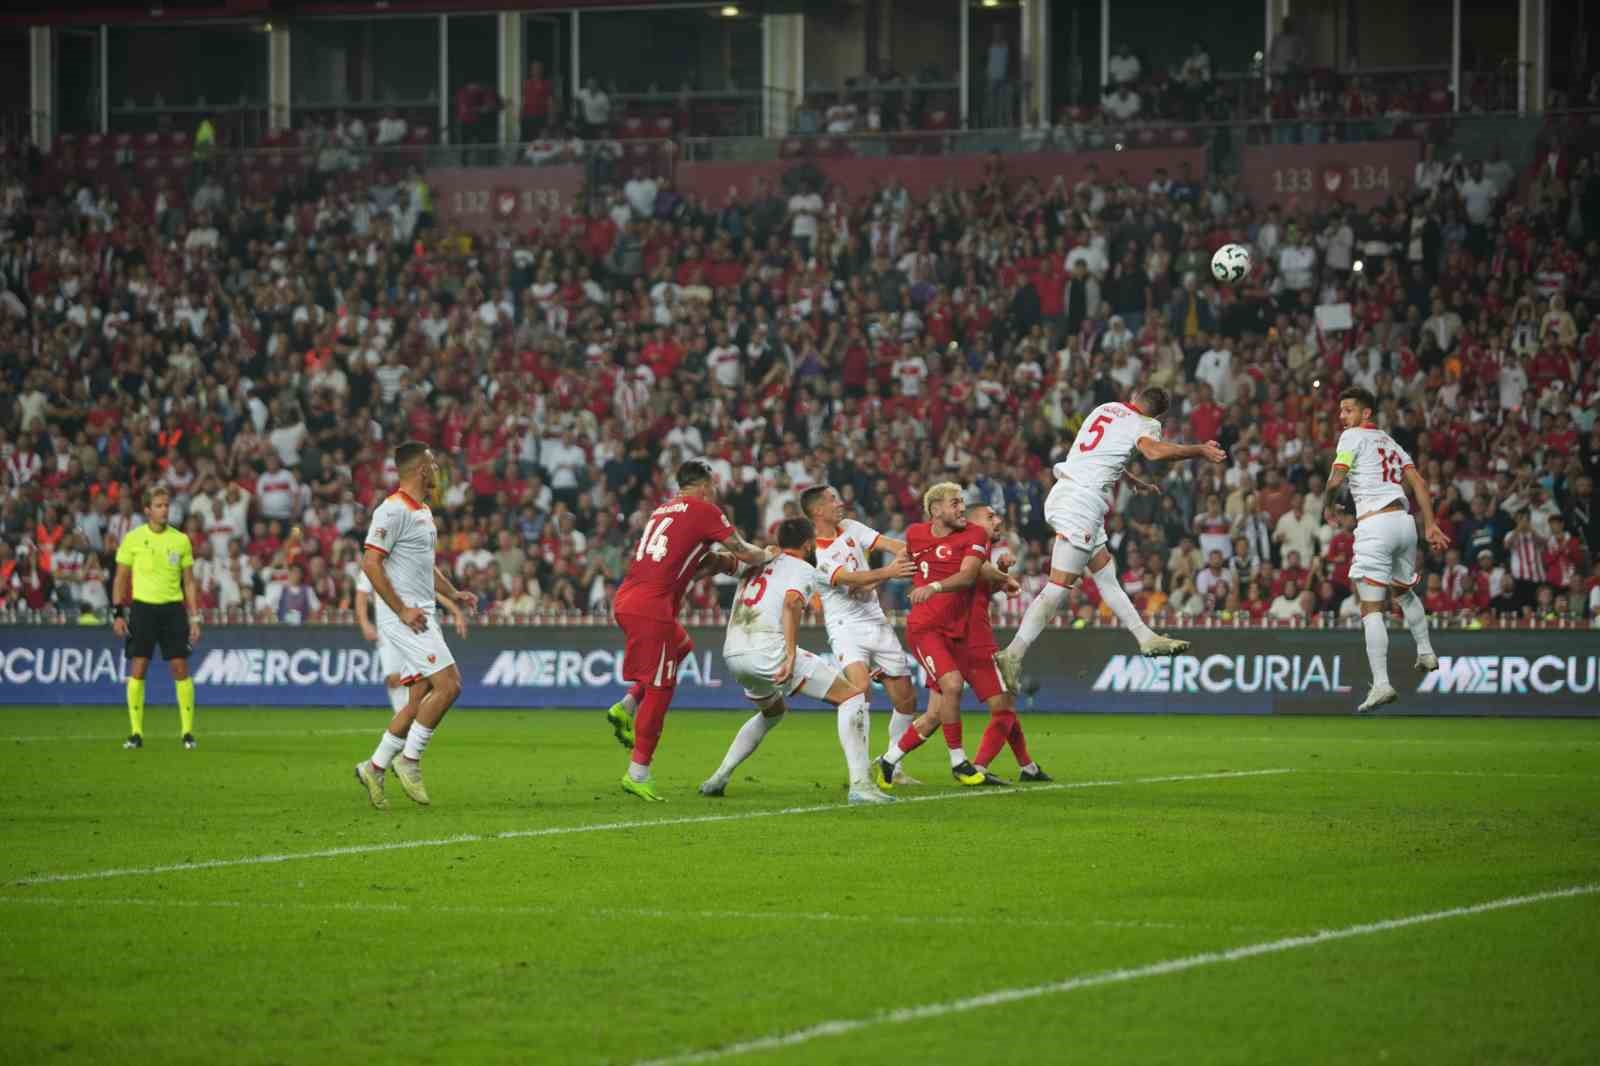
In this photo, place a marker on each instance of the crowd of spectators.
(260, 357)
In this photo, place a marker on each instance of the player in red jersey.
(672, 552)
(949, 554)
(979, 667)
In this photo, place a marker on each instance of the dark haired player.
(675, 542)
(1076, 509)
(1379, 472)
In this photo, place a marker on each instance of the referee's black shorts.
(166, 624)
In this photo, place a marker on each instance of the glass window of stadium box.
(472, 75)
(876, 67)
(694, 71)
(547, 40)
(166, 80)
(367, 70)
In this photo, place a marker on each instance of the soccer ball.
(1231, 263)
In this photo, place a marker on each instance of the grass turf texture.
(629, 944)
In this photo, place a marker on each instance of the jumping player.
(398, 561)
(949, 554)
(676, 539)
(1380, 471)
(858, 631)
(978, 667)
(762, 655)
(1076, 509)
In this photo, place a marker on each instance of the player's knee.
(179, 668)
(950, 686)
(1064, 578)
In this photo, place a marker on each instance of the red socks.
(1000, 727)
(910, 741)
(1019, 746)
(647, 723)
(952, 735)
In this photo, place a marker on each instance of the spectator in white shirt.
(278, 490)
(640, 192)
(911, 370)
(804, 208)
(1478, 194)
(1287, 606)
(594, 106)
(1297, 261)
(1122, 105)
(1124, 66)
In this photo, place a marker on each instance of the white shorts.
(753, 668)
(415, 655)
(876, 645)
(1385, 555)
(1079, 520)
(388, 658)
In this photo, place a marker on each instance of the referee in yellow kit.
(155, 574)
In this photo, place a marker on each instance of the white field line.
(603, 913)
(606, 827)
(843, 1026)
(206, 735)
(1574, 776)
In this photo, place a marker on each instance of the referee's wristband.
(119, 611)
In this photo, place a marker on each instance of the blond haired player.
(1379, 472)
(398, 559)
(1076, 509)
(858, 631)
(761, 653)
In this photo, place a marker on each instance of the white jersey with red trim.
(847, 552)
(1375, 463)
(756, 623)
(1105, 442)
(402, 530)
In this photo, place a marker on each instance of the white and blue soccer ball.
(1231, 264)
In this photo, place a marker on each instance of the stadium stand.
(257, 337)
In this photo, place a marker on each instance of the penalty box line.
(845, 1026)
(603, 827)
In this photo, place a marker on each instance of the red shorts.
(937, 653)
(652, 649)
(977, 666)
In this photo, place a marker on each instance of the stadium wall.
(1236, 671)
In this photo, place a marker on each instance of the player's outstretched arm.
(899, 567)
(716, 562)
(746, 552)
(966, 577)
(1160, 451)
(1435, 536)
(998, 577)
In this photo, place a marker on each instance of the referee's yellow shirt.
(158, 561)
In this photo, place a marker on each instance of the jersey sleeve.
(977, 545)
(125, 549)
(829, 562)
(713, 524)
(1344, 453)
(865, 535)
(1405, 457)
(384, 530)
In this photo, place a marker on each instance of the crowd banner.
(1231, 671)
(1300, 177)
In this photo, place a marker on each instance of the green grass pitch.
(243, 904)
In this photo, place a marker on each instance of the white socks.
(417, 738)
(745, 743)
(1036, 617)
(958, 756)
(1112, 596)
(898, 724)
(638, 772)
(1377, 647)
(629, 703)
(1416, 617)
(853, 737)
(388, 747)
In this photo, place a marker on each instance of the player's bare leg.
(902, 698)
(1045, 606)
(745, 743)
(441, 691)
(1375, 628)
(943, 713)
